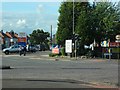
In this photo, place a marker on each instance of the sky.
(29, 15)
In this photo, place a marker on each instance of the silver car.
(11, 49)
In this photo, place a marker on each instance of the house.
(1, 38)
(7, 39)
(12, 38)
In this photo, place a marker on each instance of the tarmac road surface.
(33, 71)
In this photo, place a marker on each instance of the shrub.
(63, 51)
(53, 55)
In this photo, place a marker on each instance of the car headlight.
(4, 50)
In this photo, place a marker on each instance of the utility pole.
(73, 51)
(73, 19)
(51, 36)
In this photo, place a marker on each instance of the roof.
(16, 35)
(1, 35)
(8, 34)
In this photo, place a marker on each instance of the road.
(39, 71)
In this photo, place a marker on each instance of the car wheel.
(6, 52)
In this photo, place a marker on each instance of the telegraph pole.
(73, 51)
(73, 18)
(51, 36)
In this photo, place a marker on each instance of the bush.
(91, 54)
(63, 51)
(53, 55)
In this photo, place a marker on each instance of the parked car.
(37, 47)
(11, 49)
(32, 48)
(3, 46)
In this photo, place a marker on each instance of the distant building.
(7, 39)
(1, 38)
(12, 38)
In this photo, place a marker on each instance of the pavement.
(40, 70)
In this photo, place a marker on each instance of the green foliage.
(83, 24)
(97, 21)
(106, 16)
(39, 37)
(65, 24)
(54, 55)
(63, 51)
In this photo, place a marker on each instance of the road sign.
(117, 37)
(105, 44)
(22, 43)
(55, 50)
(68, 46)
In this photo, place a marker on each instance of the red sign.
(114, 44)
(55, 50)
(22, 39)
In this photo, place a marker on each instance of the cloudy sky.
(27, 16)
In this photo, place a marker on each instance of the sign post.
(76, 49)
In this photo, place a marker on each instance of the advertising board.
(68, 46)
(114, 44)
(21, 34)
(55, 50)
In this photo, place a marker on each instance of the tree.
(83, 19)
(65, 24)
(99, 21)
(39, 37)
(107, 20)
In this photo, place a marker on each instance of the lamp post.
(73, 43)
(51, 38)
(73, 19)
